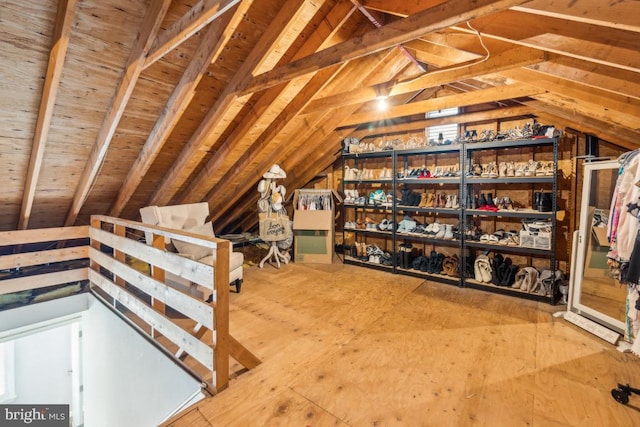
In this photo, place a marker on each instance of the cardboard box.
(600, 235)
(313, 230)
(313, 246)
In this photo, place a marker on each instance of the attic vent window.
(449, 131)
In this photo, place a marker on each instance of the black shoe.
(431, 262)
(483, 201)
(544, 201)
(417, 262)
(490, 201)
(496, 263)
(510, 276)
(439, 261)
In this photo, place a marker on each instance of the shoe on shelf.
(448, 232)
(431, 200)
(507, 203)
(519, 279)
(423, 200)
(530, 282)
(530, 168)
(550, 168)
(493, 170)
(482, 202)
(502, 169)
(454, 202)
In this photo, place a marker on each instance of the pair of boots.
(434, 265)
(431, 264)
(427, 200)
(549, 281)
(482, 269)
(409, 197)
(405, 257)
(542, 201)
(486, 202)
(526, 280)
(503, 271)
(450, 265)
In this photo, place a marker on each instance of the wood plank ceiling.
(111, 105)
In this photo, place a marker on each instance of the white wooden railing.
(47, 239)
(129, 275)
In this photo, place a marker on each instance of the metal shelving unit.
(463, 184)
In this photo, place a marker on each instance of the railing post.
(157, 272)
(119, 230)
(95, 223)
(221, 314)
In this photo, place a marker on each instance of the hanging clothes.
(623, 231)
(624, 224)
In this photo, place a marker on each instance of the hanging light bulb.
(382, 93)
(382, 103)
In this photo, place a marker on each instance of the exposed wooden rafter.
(480, 96)
(229, 104)
(59, 43)
(518, 57)
(211, 45)
(603, 45)
(200, 15)
(148, 29)
(202, 183)
(430, 20)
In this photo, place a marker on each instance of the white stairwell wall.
(125, 380)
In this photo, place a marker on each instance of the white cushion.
(191, 249)
(236, 259)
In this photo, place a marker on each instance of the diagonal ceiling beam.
(326, 32)
(148, 29)
(400, 8)
(270, 47)
(267, 144)
(211, 46)
(518, 57)
(480, 96)
(622, 14)
(601, 104)
(615, 134)
(59, 44)
(616, 80)
(433, 19)
(201, 14)
(603, 45)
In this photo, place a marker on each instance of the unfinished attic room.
(320, 212)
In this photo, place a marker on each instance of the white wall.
(127, 382)
(43, 367)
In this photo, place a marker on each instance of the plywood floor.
(347, 346)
